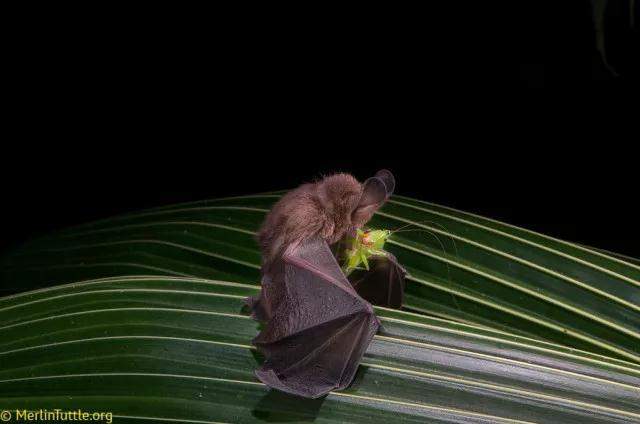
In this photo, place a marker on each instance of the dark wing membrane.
(316, 326)
(383, 283)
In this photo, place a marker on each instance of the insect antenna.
(403, 229)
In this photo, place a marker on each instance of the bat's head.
(350, 204)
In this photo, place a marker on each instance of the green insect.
(360, 248)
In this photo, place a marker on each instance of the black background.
(506, 113)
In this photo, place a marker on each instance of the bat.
(316, 326)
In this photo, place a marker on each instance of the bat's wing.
(383, 283)
(317, 326)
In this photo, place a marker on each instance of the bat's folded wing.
(316, 326)
(383, 283)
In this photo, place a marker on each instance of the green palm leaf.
(177, 348)
(157, 336)
(462, 267)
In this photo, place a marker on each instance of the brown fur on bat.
(328, 208)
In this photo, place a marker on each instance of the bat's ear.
(374, 193)
(389, 181)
